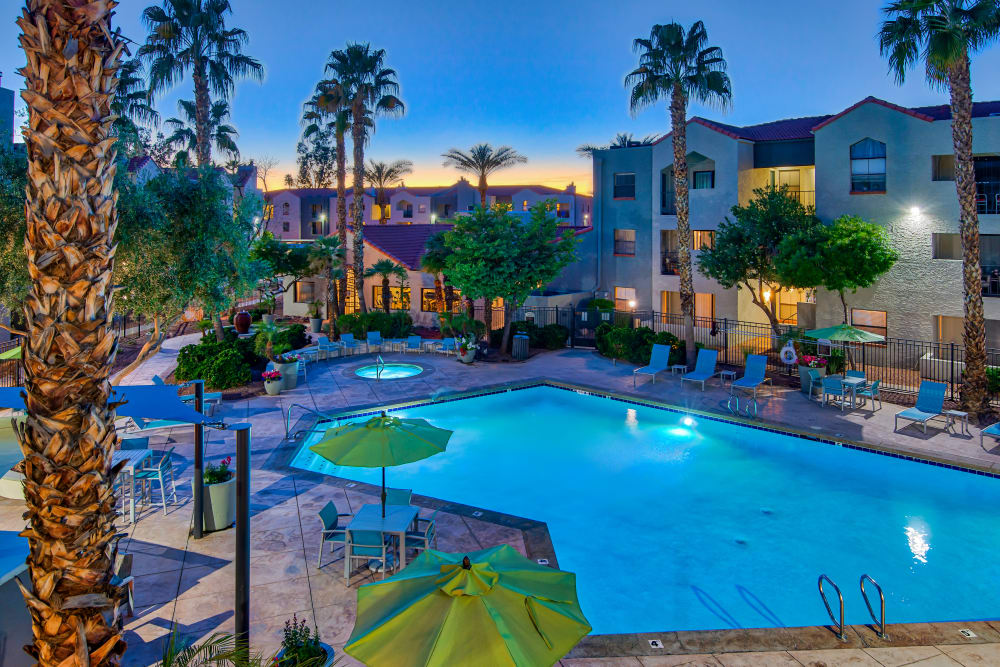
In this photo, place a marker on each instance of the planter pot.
(326, 663)
(468, 356)
(315, 324)
(219, 504)
(273, 387)
(267, 318)
(289, 375)
(806, 381)
(242, 321)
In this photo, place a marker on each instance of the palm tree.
(370, 89)
(384, 175)
(434, 261)
(69, 432)
(131, 106)
(481, 161)
(943, 35)
(185, 135)
(191, 35)
(621, 140)
(326, 258)
(679, 66)
(387, 269)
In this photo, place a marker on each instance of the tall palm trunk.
(342, 201)
(482, 191)
(358, 204)
(678, 113)
(68, 436)
(449, 293)
(332, 302)
(974, 392)
(386, 294)
(202, 103)
(442, 305)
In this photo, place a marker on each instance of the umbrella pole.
(383, 492)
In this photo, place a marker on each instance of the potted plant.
(466, 344)
(302, 646)
(808, 362)
(287, 366)
(315, 317)
(269, 302)
(219, 495)
(272, 382)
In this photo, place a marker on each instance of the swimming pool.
(680, 522)
(389, 371)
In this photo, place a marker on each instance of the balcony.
(988, 197)
(805, 197)
(669, 264)
(991, 280)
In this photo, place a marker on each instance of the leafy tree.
(848, 254)
(942, 35)
(280, 263)
(435, 261)
(131, 106)
(746, 247)
(14, 279)
(289, 181)
(387, 269)
(221, 133)
(482, 161)
(316, 158)
(192, 36)
(326, 258)
(678, 66)
(494, 254)
(384, 175)
(621, 140)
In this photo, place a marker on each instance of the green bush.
(227, 369)
(219, 364)
(993, 379)
(391, 325)
(553, 336)
(606, 305)
(636, 344)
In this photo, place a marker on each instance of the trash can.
(520, 346)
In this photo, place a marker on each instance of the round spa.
(389, 371)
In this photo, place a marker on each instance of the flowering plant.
(299, 644)
(270, 376)
(465, 342)
(812, 361)
(216, 474)
(286, 359)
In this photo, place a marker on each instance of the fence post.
(725, 339)
(952, 373)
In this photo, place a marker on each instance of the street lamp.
(433, 217)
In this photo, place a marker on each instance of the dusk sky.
(543, 77)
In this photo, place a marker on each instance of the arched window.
(868, 166)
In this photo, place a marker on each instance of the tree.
(746, 247)
(482, 161)
(386, 269)
(621, 140)
(68, 434)
(848, 254)
(371, 90)
(14, 279)
(191, 36)
(326, 258)
(316, 158)
(434, 261)
(494, 254)
(185, 138)
(131, 105)
(679, 66)
(281, 263)
(289, 181)
(265, 165)
(384, 175)
(944, 34)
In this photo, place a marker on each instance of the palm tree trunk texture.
(975, 397)
(482, 191)
(442, 305)
(678, 113)
(68, 436)
(342, 199)
(202, 102)
(358, 206)
(386, 294)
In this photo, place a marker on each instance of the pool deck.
(188, 583)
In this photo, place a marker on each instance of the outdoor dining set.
(348, 344)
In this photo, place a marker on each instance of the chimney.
(571, 188)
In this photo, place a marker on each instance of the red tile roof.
(943, 111)
(137, 163)
(514, 189)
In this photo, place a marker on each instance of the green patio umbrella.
(845, 333)
(13, 353)
(490, 607)
(382, 442)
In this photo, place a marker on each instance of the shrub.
(391, 325)
(553, 336)
(606, 305)
(219, 364)
(636, 344)
(227, 369)
(993, 379)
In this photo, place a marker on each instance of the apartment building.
(888, 164)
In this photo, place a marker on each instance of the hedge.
(390, 325)
(636, 344)
(551, 336)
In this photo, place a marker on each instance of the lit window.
(428, 299)
(562, 210)
(377, 212)
(704, 306)
(625, 242)
(399, 300)
(623, 297)
(524, 205)
(704, 180)
(868, 166)
(422, 208)
(305, 291)
(701, 239)
(624, 186)
(874, 321)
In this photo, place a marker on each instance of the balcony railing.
(669, 264)
(804, 197)
(988, 198)
(991, 280)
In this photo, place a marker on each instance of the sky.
(542, 77)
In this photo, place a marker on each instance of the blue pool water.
(389, 371)
(675, 522)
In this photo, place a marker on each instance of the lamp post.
(199, 460)
(242, 555)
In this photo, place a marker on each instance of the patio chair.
(159, 472)
(815, 383)
(659, 361)
(347, 342)
(871, 392)
(324, 347)
(374, 340)
(414, 344)
(856, 374)
(447, 346)
(371, 546)
(754, 375)
(704, 368)
(992, 431)
(123, 578)
(425, 535)
(145, 426)
(300, 370)
(398, 496)
(832, 386)
(930, 404)
(334, 532)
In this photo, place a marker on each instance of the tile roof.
(313, 192)
(514, 189)
(137, 163)
(943, 111)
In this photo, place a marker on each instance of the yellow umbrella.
(13, 353)
(490, 607)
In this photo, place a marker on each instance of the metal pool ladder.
(379, 367)
(840, 635)
(881, 620)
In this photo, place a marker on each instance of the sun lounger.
(754, 375)
(347, 342)
(447, 346)
(414, 344)
(374, 340)
(930, 404)
(659, 361)
(992, 431)
(704, 368)
(325, 347)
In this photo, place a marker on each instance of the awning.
(141, 402)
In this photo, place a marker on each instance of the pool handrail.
(840, 635)
(881, 622)
(379, 367)
(288, 416)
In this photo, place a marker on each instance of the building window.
(428, 300)
(400, 300)
(422, 208)
(946, 246)
(702, 239)
(624, 186)
(562, 210)
(524, 205)
(316, 227)
(305, 291)
(943, 167)
(987, 183)
(668, 205)
(472, 207)
(625, 242)
(285, 208)
(704, 305)
(377, 211)
(870, 320)
(285, 226)
(316, 210)
(868, 166)
(624, 298)
(407, 209)
(703, 180)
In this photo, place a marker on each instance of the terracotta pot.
(242, 321)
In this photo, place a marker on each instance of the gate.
(585, 327)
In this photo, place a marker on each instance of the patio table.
(398, 518)
(133, 458)
(852, 383)
(395, 344)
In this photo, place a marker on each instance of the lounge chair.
(374, 340)
(992, 431)
(334, 531)
(704, 368)
(414, 344)
(754, 375)
(930, 404)
(398, 496)
(832, 386)
(659, 361)
(871, 392)
(447, 346)
(371, 546)
(347, 342)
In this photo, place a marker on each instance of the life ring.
(788, 355)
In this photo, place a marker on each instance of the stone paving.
(188, 583)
